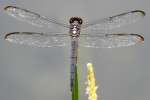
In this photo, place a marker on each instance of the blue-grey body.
(74, 58)
(75, 25)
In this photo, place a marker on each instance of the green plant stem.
(75, 92)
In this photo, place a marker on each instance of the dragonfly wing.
(115, 21)
(110, 40)
(37, 39)
(32, 18)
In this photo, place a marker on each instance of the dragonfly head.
(75, 25)
(76, 19)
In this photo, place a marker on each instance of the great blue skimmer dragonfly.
(91, 33)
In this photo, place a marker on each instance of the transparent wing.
(37, 39)
(115, 21)
(32, 18)
(110, 40)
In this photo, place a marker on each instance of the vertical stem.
(75, 91)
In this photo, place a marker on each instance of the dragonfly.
(92, 35)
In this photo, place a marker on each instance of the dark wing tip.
(21, 33)
(12, 33)
(140, 11)
(140, 38)
(8, 34)
(7, 7)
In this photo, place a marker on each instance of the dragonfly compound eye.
(73, 19)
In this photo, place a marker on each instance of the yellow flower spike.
(91, 87)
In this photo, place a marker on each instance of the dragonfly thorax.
(75, 26)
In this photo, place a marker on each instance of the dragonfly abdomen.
(74, 59)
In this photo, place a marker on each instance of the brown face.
(74, 19)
